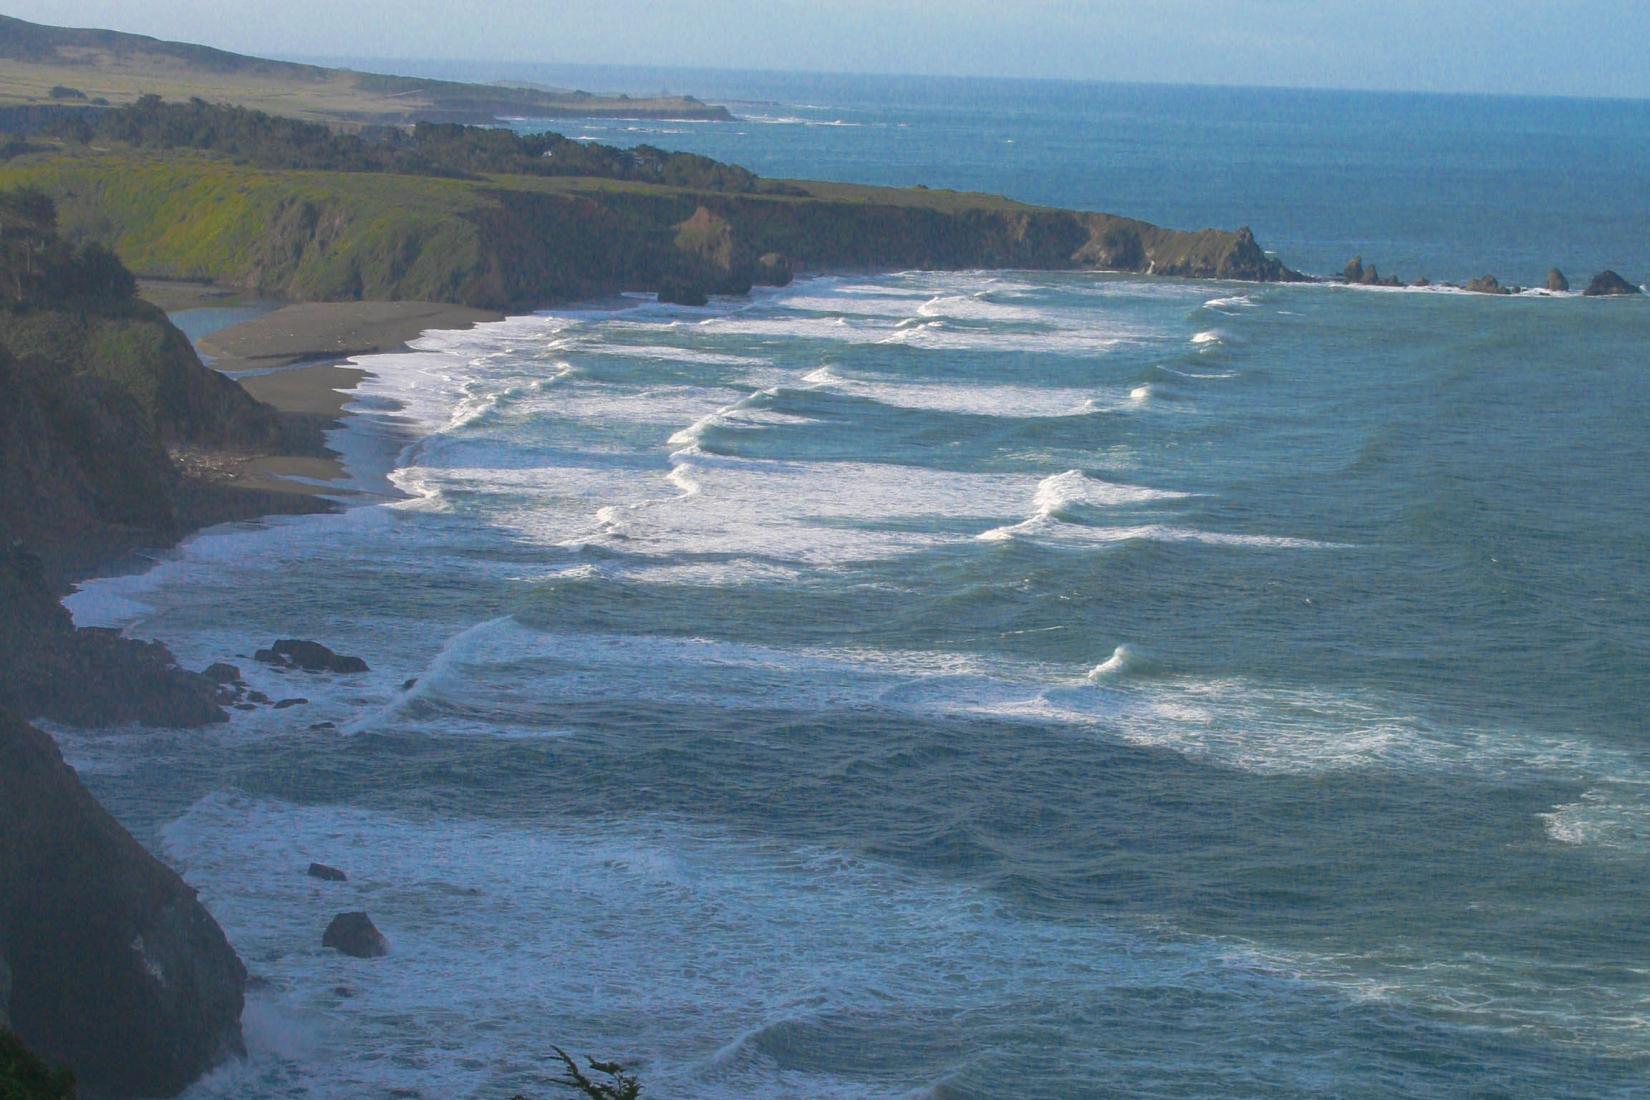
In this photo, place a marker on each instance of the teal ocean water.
(976, 684)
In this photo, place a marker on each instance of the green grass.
(503, 241)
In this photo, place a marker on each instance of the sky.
(1535, 47)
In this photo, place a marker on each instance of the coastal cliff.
(492, 219)
(115, 968)
(512, 241)
(103, 400)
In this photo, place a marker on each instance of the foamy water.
(790, 698)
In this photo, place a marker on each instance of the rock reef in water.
(116, 969)
(309, 657)
(1608, 284)
(1357, 274)
(1556, 282)
(1485, 284)
(354, 934)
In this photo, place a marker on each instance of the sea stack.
(1607, 284)
(1485, 284)
(1556, 282)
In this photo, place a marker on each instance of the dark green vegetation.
(428, 149)
(45, 64)
(101, 391)
(431, 217)
(25, 1077)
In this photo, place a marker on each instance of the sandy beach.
(297, 358)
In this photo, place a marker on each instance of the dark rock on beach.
(1608, 283)
(330, 874)
(1556, 282)
(308, 656)
(354, 934)
(116, 969)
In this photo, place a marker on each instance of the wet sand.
(296, 355)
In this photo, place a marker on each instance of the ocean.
(974, 684)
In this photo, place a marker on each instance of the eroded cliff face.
(116, 969)
(96, 391)
(515, 241)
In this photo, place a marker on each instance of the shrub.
(618, 1086)
(25, 1077)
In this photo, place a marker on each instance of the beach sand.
(297, 352)
(317, 331)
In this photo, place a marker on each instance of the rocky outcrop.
(773, 269)
(1556, 282)
(309, 657)
(682, 292)
(97, 390)
(86, 677)
(326, 873)
(1608, 283)
(117, 970)
(355, 934)
(1485, 284)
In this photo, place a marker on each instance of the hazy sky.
(1560, 47)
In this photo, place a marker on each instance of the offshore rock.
(1485, 284)
(1608, 283)
(682, 292)
(354, 934)
(1556, 282)
(1354, 270)
(309, 656)
(329, 874)
(116, 969)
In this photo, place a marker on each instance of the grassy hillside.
(498, 241)
(85, 66)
